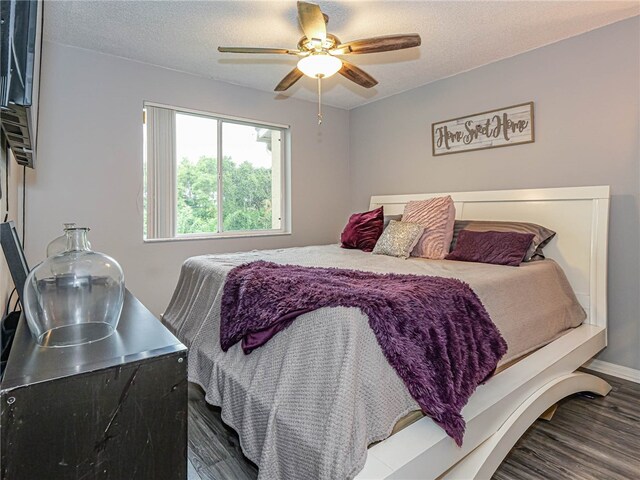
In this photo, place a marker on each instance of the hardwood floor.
(588, 438)
(214, 448)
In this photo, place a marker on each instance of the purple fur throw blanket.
(433, 331)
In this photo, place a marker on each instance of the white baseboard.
(614, 370)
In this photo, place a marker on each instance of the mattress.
(310, 401)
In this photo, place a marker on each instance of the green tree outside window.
(246, 196)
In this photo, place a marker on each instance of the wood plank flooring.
(587, 439)
(214, 448)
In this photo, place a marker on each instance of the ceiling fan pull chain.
(319, 99)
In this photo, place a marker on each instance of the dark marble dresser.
(113, 409)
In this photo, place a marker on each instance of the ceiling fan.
(319, 51)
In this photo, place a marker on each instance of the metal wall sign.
(492, 129)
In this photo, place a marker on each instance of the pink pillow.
(363, 230)
(437, 216)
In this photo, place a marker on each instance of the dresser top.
(140, 335)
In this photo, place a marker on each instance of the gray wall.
(8, 166)
(89, 166)
(586, 94)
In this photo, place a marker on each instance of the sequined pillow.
(398, 239)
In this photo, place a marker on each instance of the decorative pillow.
(398, 239)
(542, 235)
(501, 248)
(437, 216)
(363, 230)
(388, 218)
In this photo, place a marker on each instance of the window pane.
(197, 174)
(251, 176)
(206, 175)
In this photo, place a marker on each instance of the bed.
(538, 370)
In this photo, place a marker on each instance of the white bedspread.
(309, 402)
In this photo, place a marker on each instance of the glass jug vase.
(59, 244)
(75, 297)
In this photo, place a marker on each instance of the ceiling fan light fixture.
(318, 49)
(319, 65)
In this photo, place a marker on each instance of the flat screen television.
(20, 46)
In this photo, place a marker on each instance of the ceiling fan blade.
(277, 51)
(292, 77)
(341, 50)
(357, 75)
(312, 21)
(382, 44)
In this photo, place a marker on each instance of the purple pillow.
(363, 230)
(501, 248)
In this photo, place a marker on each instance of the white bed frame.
(501, 410)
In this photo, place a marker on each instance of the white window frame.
(285, 179)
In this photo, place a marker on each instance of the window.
(209, 175)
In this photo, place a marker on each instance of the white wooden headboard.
(579, 215)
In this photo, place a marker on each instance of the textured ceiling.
(456, 36)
